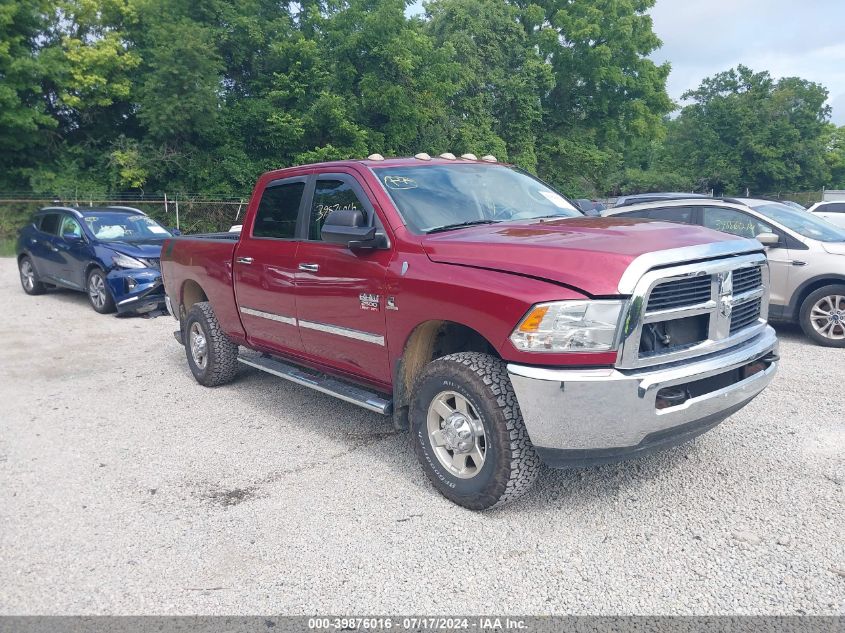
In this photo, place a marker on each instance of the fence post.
(176, 200)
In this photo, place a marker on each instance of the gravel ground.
(126, 488)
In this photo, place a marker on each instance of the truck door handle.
(54, 249)
(311, 268)
(243, 260)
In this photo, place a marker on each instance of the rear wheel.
(212, 356)
(822, 316)
(29, 278)
(468, 432)
(98, 292)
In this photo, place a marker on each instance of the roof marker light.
(489, 158)
(422, 156)
(447, 155)
(375, 157)
(469, 156)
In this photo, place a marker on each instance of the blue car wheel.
(29, 278)
(98, 292)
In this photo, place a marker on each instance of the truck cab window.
(330, 195)
(278, 211)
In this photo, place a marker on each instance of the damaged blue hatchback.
(110, 253)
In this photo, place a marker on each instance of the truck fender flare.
(427, 341)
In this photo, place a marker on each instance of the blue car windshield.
(437, 197)
(124, 227)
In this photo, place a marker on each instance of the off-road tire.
(806, 308)
(222, 354)
(511, 464)
(107, 307)
(38, 287)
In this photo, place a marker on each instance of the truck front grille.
(744, 315)
(694, 309)
(745, 279)
(679, 293)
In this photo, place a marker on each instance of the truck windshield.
(112, 227)
(801, 222)
(439, 197)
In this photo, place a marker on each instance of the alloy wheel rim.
(456, 433)
(827, 317)
(199, 346)
(27, 275)
(97, 290)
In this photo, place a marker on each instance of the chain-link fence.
(195, 214)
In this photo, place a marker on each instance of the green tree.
(746, 130)
(497, 108)
(24, 117)
(608, 96)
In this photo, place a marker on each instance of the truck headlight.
(124, 261)
(568, 326)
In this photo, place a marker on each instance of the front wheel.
(29, 278)
(822, 316)
(98, 292)
(468, 433)
(212, 356)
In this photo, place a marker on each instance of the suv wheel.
(29, 278)
(822, 316)
(212, 356)
(468, 432)
(98, 292)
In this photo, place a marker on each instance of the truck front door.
(265, 267)
(340, 294)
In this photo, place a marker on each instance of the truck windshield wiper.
(458, 225)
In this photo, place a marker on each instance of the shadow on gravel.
(360, 430)
(791, 332)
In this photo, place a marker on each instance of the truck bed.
(203, 262)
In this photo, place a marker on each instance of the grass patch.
(7, 246)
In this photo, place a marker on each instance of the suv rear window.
(832, 207)
(682, 215)
(49, 223)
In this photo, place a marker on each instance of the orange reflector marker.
(533, 320)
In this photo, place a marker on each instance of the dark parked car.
(111, 253)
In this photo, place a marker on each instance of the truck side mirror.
(348, 227)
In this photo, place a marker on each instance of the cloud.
(785, 37)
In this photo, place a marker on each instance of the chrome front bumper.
(576, 416)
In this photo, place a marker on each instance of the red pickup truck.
(480, 309)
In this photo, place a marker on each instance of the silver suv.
(806, 255)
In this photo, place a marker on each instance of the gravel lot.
(126, 488)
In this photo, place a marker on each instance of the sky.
(789, 38)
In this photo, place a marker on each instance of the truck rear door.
(265, 266)
(340, 294)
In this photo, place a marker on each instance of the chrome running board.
(320, 382)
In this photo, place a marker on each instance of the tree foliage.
(177, 95)
(744, 130)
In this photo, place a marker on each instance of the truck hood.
(589, 254)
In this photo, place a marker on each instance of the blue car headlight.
(124, 261)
